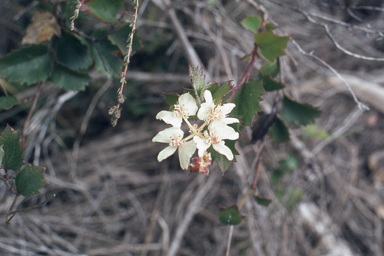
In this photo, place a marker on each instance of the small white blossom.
(174, 136)
(209, 112)
(185, 107)
(217, 133)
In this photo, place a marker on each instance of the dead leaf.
(43, 27)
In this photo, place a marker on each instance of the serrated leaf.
(30, 180)
(313, 131)
(28, 65)
(252, 23)
(247, 101)
(72, 53)
(271, 45)
(271, 85)
(271, 68)
(298, 113)
(219, 94)
(231, 215)
(198, 78)
(279, 131)
(68, 79)
(105, 10)
(264, 201)
(106, 63)
(120, 36)
(8, 102)
(13, 158)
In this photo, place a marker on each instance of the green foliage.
(286, 165)
(290, 197)
(119, 38)
(271, 85)
(264, 201)
(68, 79)
(279, 131)
(13, 158)
(7, 102)
(72, 53)
(271, 45)
(247, 101)
(105, 10)
(298, 113)
(197, 77)
(221, 160)
(219, 94)
(231, 215)
(106, 63)
(28, 65)
(271, 68)
(252, 23)
(30, 180)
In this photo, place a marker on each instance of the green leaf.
(72, 53)
(30, 180)
(271, 85)
(279, 131)
(264, 201)
(231, 215)
(68, 79)
(120, 37)
(106, 63)
(313, 131)
(219, 94)
(269, 26)
(28, 65)
(271, 68)
(252, 23)
(105, 10)
(198, 79)
(8, 102)
(298, 113)
(171, 100)
(13, 158)
(247, 101)
(271, 45)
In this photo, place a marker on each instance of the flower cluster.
(212, 132)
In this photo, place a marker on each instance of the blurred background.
(114, 198)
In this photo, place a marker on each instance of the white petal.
(229, 120)
(227, 108)
(165, 153)
(185, 153)
(202, 145)
(208, 97)
(223, 131)
(189, 104)
(166, 135)
(224, 150)
(169, 118)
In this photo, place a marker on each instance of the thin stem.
(260, 155)
(245, 198)
(246, 76)
(26, 123)
(229, 240)
(11, 208)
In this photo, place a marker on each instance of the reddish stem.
(246, 76)
(257, 170)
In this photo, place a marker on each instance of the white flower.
(174, 136)
(186, 107)
(217, 133)
(209, 112)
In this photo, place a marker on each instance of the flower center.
(176, 142)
